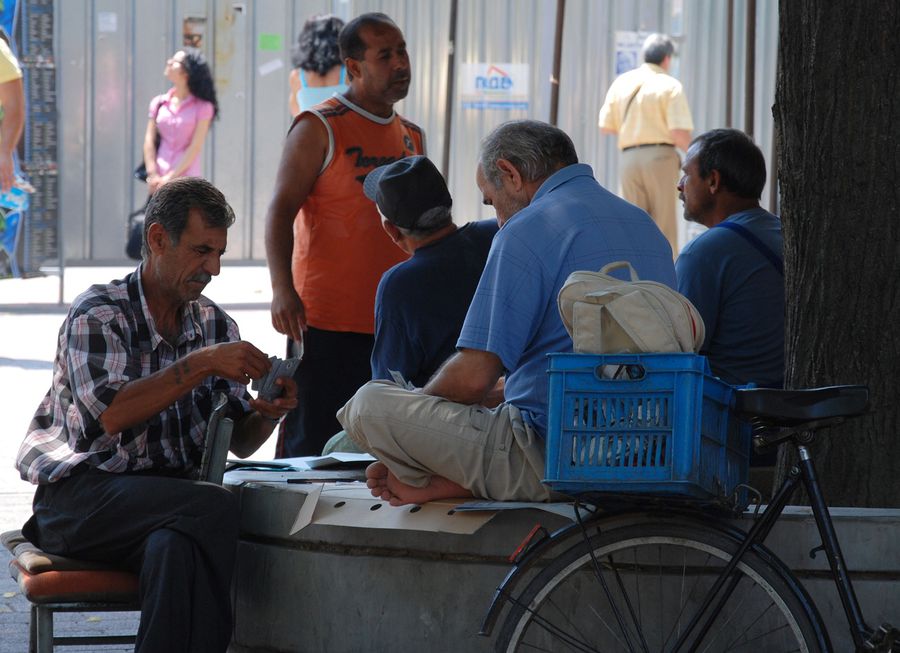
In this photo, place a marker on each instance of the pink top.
(177, 129)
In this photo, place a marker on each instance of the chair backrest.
(218, 442)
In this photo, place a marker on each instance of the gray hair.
(172, 203)
(536, 149)
(657, 47)
(432, 220)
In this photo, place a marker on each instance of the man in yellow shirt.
(12, 101)
(648, 110)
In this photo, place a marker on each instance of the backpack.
(605, 315)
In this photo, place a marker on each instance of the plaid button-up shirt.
(108, 339)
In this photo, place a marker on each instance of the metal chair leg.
(32, 630)
(44, 630)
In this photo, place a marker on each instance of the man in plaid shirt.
(116, 440)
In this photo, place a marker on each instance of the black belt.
(637, 147)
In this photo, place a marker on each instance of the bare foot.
(384, 485)
(376, 480)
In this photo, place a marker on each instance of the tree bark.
(837, 121)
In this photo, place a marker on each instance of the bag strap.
(748, 235)
(630, 100)
(618, 265)
(158, 106)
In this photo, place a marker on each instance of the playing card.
(266, 386)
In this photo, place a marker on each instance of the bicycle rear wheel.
(655, 577)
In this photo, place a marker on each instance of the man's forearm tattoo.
(181, 371)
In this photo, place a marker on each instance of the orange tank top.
(340, 249)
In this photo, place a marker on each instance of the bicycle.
(672, 575)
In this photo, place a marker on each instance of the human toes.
(377, 470)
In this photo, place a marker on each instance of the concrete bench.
(363, 586)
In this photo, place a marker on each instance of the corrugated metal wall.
(111, 54)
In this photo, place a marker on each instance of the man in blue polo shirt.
(733, 271)
(442, 441)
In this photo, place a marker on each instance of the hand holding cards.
(266, 387)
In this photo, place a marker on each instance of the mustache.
(203, 277)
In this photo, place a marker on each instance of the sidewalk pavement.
(30, 317)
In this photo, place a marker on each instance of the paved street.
(30, 317)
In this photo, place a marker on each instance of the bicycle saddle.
(790, 407)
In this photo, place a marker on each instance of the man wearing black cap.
(421, 303)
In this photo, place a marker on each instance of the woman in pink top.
(180, 119)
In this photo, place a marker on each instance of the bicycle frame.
(804, 471)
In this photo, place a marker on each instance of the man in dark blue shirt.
(733, 271)
(421, 303)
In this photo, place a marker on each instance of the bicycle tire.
(662, 568)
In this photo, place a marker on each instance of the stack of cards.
(266, 387)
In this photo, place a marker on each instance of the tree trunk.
(837, 120)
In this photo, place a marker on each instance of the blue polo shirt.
(740, 295)
(572, 223)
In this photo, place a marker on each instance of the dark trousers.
(179, 535)
(335, 365)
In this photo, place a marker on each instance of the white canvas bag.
(605, 315)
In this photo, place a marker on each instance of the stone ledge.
(349, 589)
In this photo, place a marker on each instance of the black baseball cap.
(405, 189)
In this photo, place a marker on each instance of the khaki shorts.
(490, 451)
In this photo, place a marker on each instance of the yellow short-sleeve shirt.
(9, 67)
(658, 106)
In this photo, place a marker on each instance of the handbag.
(140, 172)
(134, 236)
(605, 315)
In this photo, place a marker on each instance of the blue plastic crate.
(664, 429)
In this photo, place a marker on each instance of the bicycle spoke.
(675, 630)
(637, 624)
(551, 628)
(755, 622)
(735, 611)
(598, 571)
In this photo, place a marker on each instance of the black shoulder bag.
(140, 172)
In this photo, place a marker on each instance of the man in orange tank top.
(325, 246)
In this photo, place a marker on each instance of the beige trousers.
(491, 452)
(649, 178)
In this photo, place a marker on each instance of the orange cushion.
(111, 586)
(48, 578)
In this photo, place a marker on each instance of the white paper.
(107, 21)
(402, 382)
(337, 458)
(304, 516)
(566, 510)
(270, 67)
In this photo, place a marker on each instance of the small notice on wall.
(270, 42)
(628, 50)
(495, 86)
(107, 21)
(193, 29)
